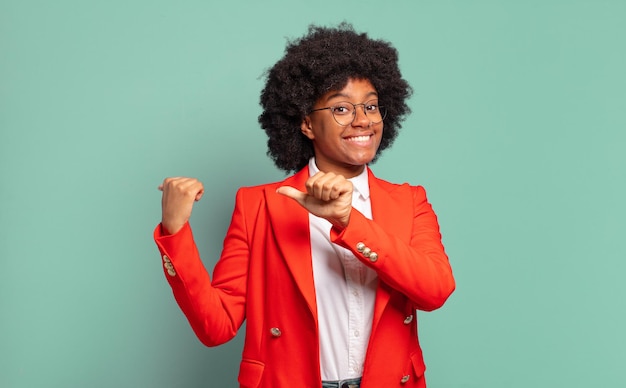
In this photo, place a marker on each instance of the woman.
(328, 266)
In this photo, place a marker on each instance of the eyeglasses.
(344, 112)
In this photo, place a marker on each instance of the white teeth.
(359, 138)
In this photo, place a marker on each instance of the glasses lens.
(344, 112)
(375, 112)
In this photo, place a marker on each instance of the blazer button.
(367, 252)
(167, 263)
(360, 246)
(408, 319)
(373, 257)
(275, 332)
(405, 379)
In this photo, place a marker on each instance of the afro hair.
(324, 60)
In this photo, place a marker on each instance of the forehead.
(355, 90)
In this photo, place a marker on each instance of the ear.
(306, 128)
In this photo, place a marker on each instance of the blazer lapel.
(290, 223)
(390, 212)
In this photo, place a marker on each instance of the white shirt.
(345, 291)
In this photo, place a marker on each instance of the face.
(346, 149)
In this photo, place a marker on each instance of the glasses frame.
(381, 109)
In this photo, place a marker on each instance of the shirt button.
(356, 333)
(275, 332)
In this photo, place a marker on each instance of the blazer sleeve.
(418, 268)
(214, 308)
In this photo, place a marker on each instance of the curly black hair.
(324, 60)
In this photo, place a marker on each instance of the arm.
(419, 268)
(215, 309)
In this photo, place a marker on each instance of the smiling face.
(346, 149)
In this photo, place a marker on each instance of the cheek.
(380, 136)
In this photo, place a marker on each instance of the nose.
(360, 117)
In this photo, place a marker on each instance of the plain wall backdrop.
(518, 134)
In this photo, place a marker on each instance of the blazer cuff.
(178, 252)
(357, 237)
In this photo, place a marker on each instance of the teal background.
(517, 133)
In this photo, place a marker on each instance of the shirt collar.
(360, 182)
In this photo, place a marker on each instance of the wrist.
(340, 223)
(169, 228)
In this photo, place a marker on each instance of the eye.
(342, 109)
(371, 106)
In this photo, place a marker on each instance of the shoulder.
(399, 189)
(259, 191)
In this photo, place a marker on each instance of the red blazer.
(265, 276)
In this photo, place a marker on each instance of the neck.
(345, 171)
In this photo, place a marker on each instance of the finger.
(160, 187)
(199, 195)
(292, 193)
(183, 184)
(334, 187)
(169, 180)
(329, 186)
(319, 185)
(194, 189)
(310, 183)
(189, 187)
(340, 186)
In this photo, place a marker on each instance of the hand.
(328, 196)
(179, 194)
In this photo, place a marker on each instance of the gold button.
(367, 252)
(408, 319)
(168, 265)
(405, 379)
(166, 259)
(360, 246)
(171, 272)
(275, 332)
(373, 257)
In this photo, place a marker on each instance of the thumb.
(292, 193)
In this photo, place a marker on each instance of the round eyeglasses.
(344, 112)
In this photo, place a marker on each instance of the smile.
(358, 139)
